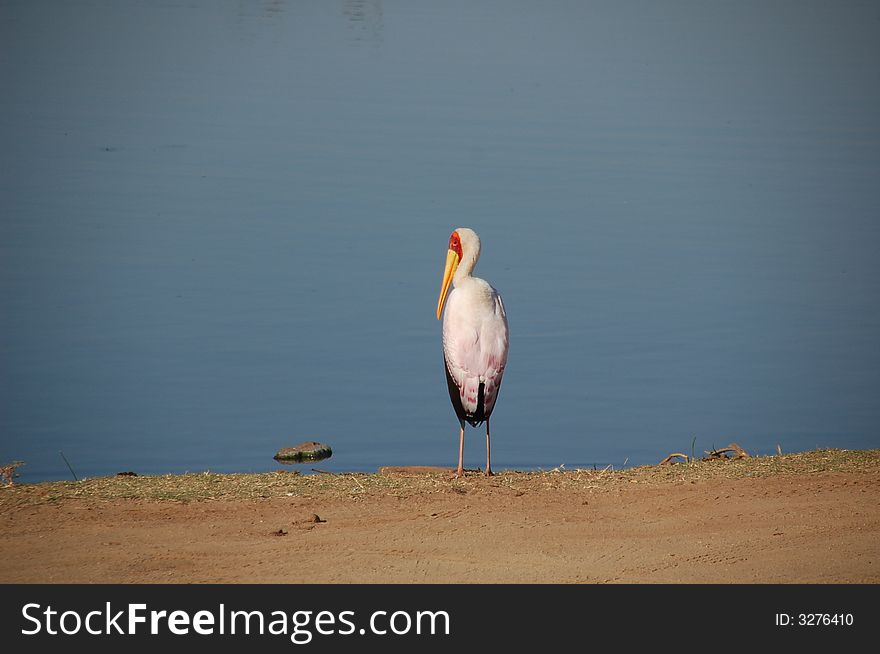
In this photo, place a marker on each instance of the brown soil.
(812, 517)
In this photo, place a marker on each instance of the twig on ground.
(75, 478)
(723, 452)
(7, 472)
(675, 455)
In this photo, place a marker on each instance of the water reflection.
(273, 7)
(365, 21)
(253, 18)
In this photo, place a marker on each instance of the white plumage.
(475, 342)
(475, 337)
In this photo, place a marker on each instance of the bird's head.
(464, 246)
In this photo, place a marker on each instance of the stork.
(475, 338)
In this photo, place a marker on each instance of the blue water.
(223, 227)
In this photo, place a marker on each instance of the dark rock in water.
(308, 451)
(127, 473)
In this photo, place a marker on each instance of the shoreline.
(810, 517)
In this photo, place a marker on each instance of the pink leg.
(460, 471)
(489, 472)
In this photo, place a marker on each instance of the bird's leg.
(460, 471)
(489, 472)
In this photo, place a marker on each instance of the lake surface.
(223, 227)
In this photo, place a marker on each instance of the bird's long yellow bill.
(452, 262)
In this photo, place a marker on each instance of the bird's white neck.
(470, 253)
(465, 268)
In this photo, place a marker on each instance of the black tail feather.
(475, 419)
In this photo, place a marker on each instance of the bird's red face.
(455, 244)
(453, 258)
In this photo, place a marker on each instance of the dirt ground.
(811, 517)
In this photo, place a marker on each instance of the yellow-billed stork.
(475, 338)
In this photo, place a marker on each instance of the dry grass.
(209, 486)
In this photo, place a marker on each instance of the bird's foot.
(457, 474)
(489, 472)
